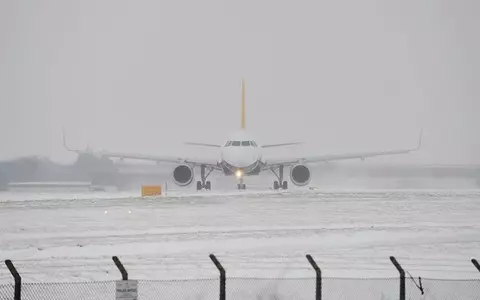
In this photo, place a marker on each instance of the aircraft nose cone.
(245, 162)
(239, 160)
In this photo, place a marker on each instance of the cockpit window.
(241, 143)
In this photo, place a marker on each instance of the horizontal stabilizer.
(280, 145)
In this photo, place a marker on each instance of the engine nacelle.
(183, 175)
(300, 175)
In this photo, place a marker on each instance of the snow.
(55, 237)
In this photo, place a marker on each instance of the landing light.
(238, 173)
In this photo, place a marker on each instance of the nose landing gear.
(241, 185)
(239, 174)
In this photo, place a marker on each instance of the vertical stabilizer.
(243, 103)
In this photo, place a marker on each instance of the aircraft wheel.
(241, 186)
(208, 185)
(199, 185)
(285, 185)
(276, 185)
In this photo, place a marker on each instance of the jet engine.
(183, 175)
(300, 175)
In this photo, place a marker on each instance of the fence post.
(223, 278)
(318, 291)
(402, 277)
(18, 279)
(120, 267)
(476, 264)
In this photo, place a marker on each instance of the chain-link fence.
(255, 289)
(224, 287)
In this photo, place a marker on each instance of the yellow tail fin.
(243, 103)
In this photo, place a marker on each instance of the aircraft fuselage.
(240, 155)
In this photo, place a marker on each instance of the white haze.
(144, 76)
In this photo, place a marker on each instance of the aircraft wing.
(161, 158)
(155, 158)
(336, 157)
(279, 145)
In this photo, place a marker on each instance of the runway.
(432, 233)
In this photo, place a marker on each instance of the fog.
(145, 76)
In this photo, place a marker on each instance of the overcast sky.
(145, 76)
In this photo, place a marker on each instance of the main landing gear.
(280, 183)
(204, 184)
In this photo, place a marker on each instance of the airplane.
(241, 156)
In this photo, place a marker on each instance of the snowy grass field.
(54, 237)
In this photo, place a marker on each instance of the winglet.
(420, 139)
(243, 104)
(65, 142)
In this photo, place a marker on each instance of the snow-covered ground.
(54, 237)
